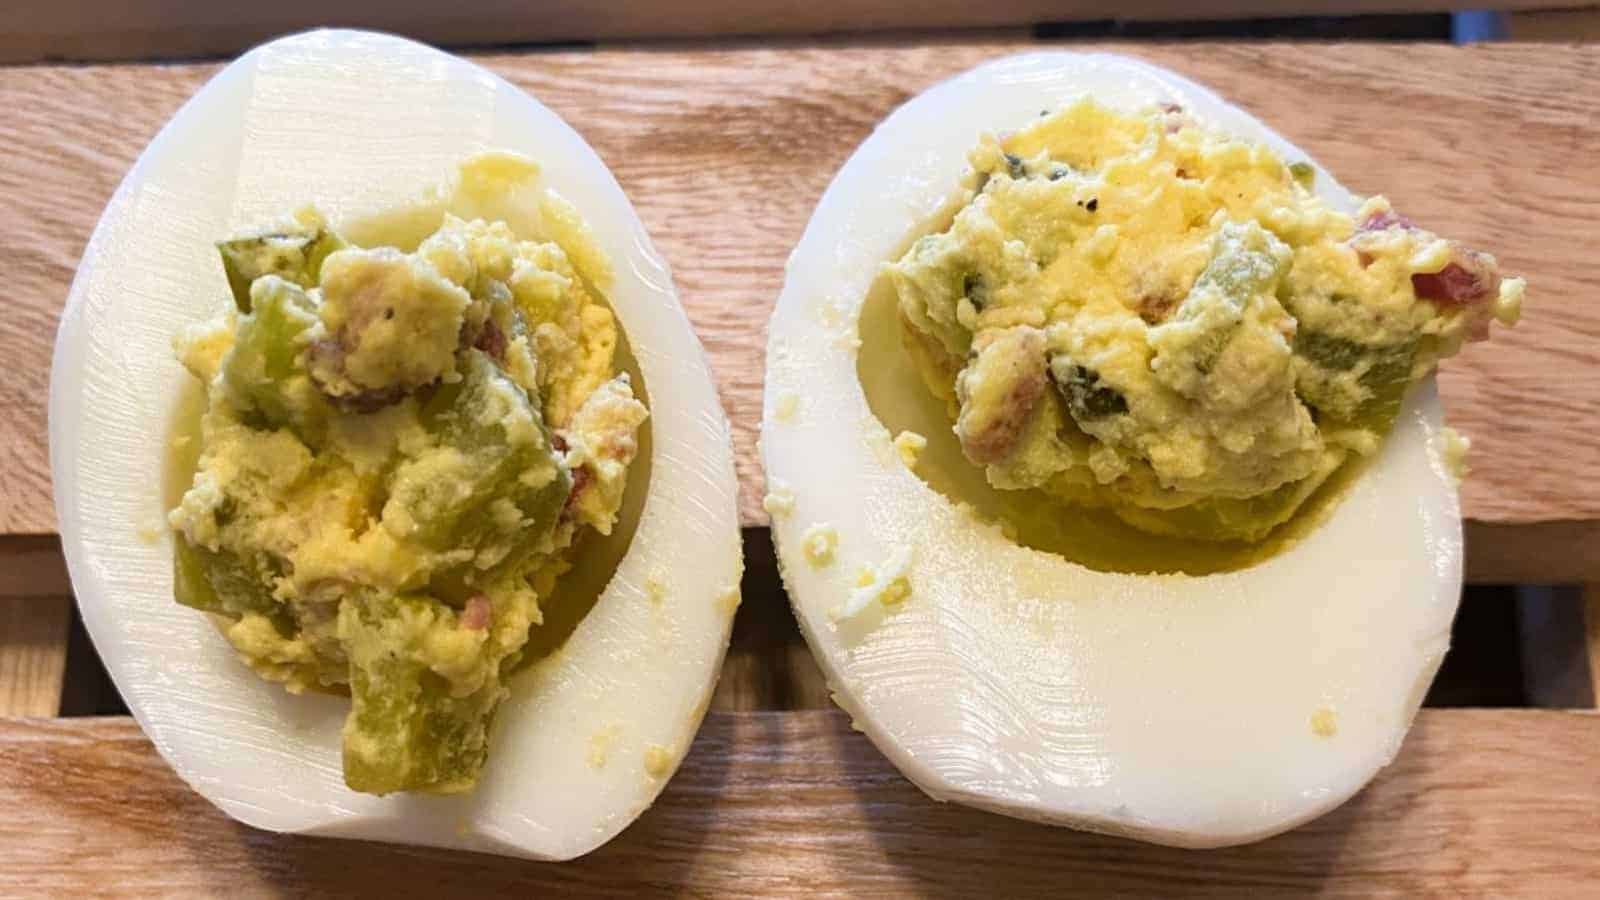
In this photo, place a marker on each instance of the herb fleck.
(976, 290)
(1087, 396)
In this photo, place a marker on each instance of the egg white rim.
(832, 454)
(113, 376)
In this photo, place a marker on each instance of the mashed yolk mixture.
(1134, 312)
(399, 452)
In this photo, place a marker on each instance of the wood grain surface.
(725, 151)
(1478, 803)
(35, 609)
(33, 653)
(1573, 22)
(152, 29)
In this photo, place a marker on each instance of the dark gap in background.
(1432, 27)
(200, 57)
(1484, 665)
(86, 689)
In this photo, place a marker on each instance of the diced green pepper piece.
(219, 581)
(449, 515)
(1088, 397)
(1327, 351)
(1245, 263)
(1386, 376)
(976, 289)
(1388, 379)
(293, 256)
(405, 731)
(1304, 174)
(1242, 264)
(265, 364)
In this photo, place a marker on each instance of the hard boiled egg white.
(1191, 711)
(356, 122)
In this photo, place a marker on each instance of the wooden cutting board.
(724, 150)
(795, 803)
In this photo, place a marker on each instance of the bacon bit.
(559, 441)
(330, 353)
(326, 353)
(622, 449)
(1468, 278)
(1383, 220)
(492, 340)
(580, 483)
(1175, 117)
(997, 442)
(1025, 376)
(477, 614)
(1154, 308)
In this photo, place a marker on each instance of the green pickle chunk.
(220, 581)
(265, 369)
(1354, 384)
(406, 730)
(295, 256)
(493, 467)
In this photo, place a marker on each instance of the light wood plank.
(1486, 803)
(32, 565)
(33, 653)
(1579, 22)
(35, 612)
(152, 29)
(724, 151)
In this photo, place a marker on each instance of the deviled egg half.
(1104, 459)
(427, 481)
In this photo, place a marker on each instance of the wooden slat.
(768, 664)
(1578, 22)
(1558, 552)
(33, 653)
(725, 151)
(1486, 803)
(35, 610)
(151, 29)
